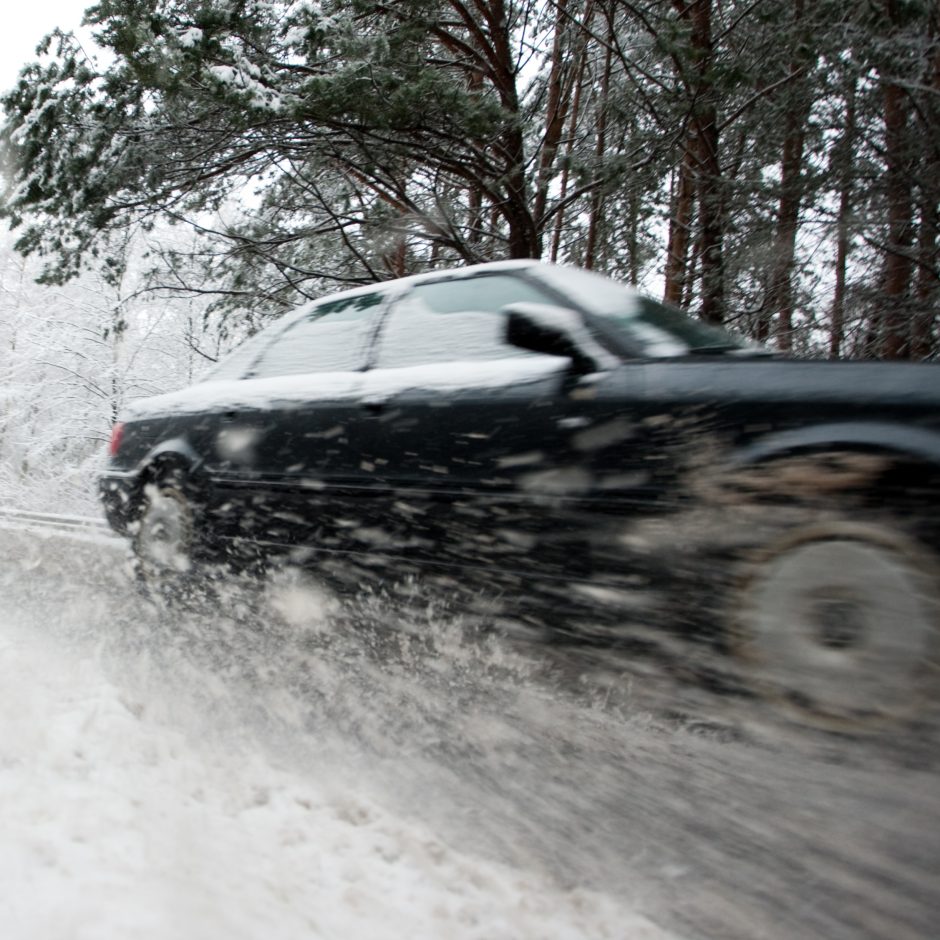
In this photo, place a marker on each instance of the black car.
(606, 467)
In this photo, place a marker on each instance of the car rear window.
(237, 363)
(333, 337)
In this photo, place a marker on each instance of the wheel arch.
(895, 442)
(170, 458)
(875, 464)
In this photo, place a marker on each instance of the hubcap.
(165, 537)
(839, 622)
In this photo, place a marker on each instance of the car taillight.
(117, 432)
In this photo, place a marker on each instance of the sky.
(25, 26)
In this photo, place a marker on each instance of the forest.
(770, 165)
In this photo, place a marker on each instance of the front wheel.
(840, 621)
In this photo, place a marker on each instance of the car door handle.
(573, 422)
(373, 406)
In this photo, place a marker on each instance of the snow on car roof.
(441, 274)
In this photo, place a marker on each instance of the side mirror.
(554, 331)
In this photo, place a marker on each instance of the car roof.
(442, 274)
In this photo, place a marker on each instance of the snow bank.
(119, 821)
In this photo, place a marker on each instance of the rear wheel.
(165, 540)
(840, 621)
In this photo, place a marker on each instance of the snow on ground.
(267, 767)
(120, 821)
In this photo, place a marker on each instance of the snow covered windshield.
(658, 329)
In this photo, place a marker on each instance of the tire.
(839, 620)
(164, 541)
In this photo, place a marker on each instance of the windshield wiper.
(729, 349)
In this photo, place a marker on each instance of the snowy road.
(272, 775)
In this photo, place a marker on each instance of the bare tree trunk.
(780, 300)
(595, 219)
(927, 288)
(524, 240)
(895, 325)
(679, 230)
(844, 156)
(633, 240)
(490, 32)
(555, 109)
(573, 119)
(396, 259)
(704, 146)
(692, 272)
(474, 217)
(475, 192)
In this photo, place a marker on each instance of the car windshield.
(636, 320)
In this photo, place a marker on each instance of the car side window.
(454, 320)
(333, 337)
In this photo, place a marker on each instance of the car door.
(471, 439)
(287, 466)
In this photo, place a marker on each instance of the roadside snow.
(120, 821)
